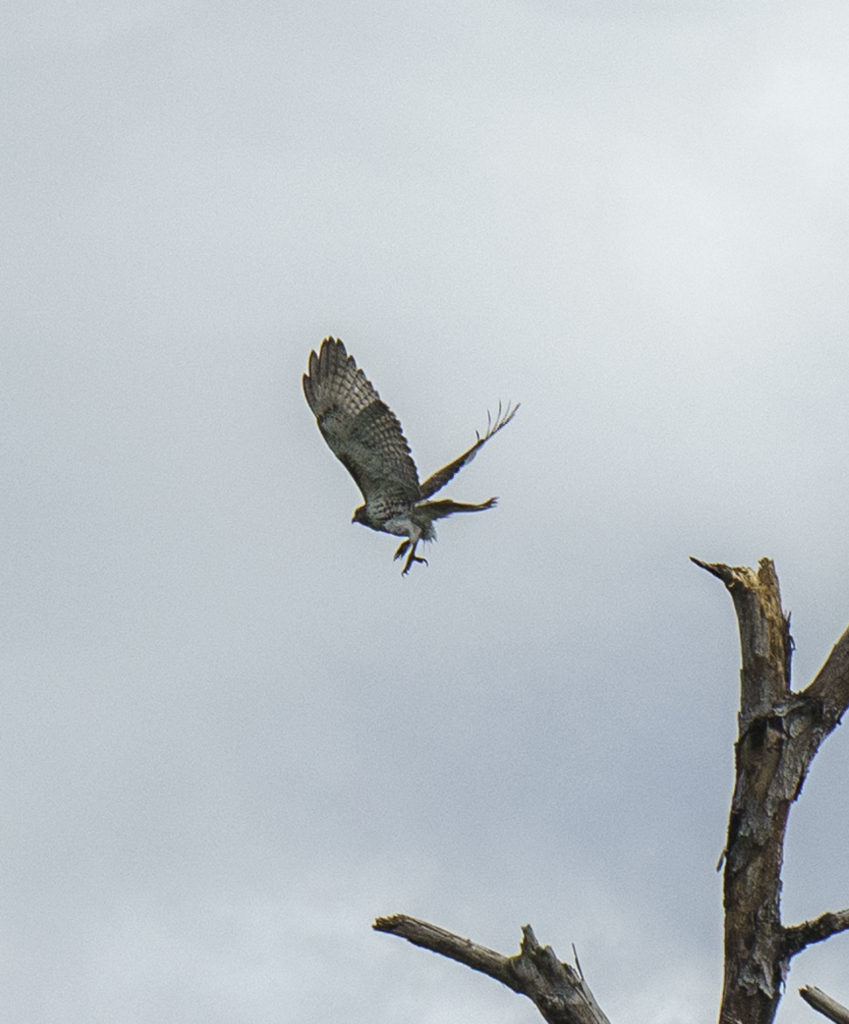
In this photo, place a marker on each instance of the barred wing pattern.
(361, 430)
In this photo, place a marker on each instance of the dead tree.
(779, 733)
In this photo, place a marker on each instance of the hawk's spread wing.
(441, 477)
(361, 430)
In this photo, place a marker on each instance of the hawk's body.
(365, 435)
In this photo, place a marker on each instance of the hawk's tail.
(446, 507)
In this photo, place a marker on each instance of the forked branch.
(779, 734)
(558, 990)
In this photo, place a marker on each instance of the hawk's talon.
(410, 560)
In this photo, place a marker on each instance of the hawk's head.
(360, 516)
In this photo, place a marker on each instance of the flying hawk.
(366, 437)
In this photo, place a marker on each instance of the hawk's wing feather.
(441, 477)
(360, 429)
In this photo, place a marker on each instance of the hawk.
(366, 437)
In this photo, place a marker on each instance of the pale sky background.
(232, 734)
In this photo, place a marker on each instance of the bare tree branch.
(831, 683)
(820, 928)
(559, 991)
(825, 1004)
(438, 940)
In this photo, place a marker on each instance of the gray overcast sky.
(232, 735)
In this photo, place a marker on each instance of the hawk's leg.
(411, 557)
(402, 550)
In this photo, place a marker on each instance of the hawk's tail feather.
(447, 507)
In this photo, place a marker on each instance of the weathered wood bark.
(779, 732)
(559, 991)
(827, 1006)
